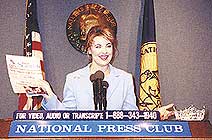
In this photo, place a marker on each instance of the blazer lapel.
(113, 81)
(85, 75)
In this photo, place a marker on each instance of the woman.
(78, 90)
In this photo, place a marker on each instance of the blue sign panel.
(86, 115)
(93, 128)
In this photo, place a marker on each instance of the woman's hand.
(47, 88)
(40, 87)
(164, 111)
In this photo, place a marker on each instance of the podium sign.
(114, 123)
(95, 128)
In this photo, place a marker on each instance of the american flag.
(32, 48)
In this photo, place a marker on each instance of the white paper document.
(24, 72)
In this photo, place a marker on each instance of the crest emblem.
(82, 19)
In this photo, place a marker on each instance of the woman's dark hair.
(102, 31)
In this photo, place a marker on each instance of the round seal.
(82, 19)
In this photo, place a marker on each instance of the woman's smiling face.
(101, 51)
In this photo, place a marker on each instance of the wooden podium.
(198, 130)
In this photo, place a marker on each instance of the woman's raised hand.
(165, 112)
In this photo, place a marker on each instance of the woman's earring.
(89, 56)
(88, 53)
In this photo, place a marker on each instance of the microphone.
(105, 85)
(96, 79)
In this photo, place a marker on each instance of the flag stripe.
(42, 66)
(36, 36)
(22, 101)
(36, 46)
(38, 54)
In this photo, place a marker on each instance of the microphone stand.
(99, 93)
(105, 85)
(95, 97)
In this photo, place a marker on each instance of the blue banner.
(93, 128)
(86, 115)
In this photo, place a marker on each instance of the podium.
(93, 125)
(198, 130)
